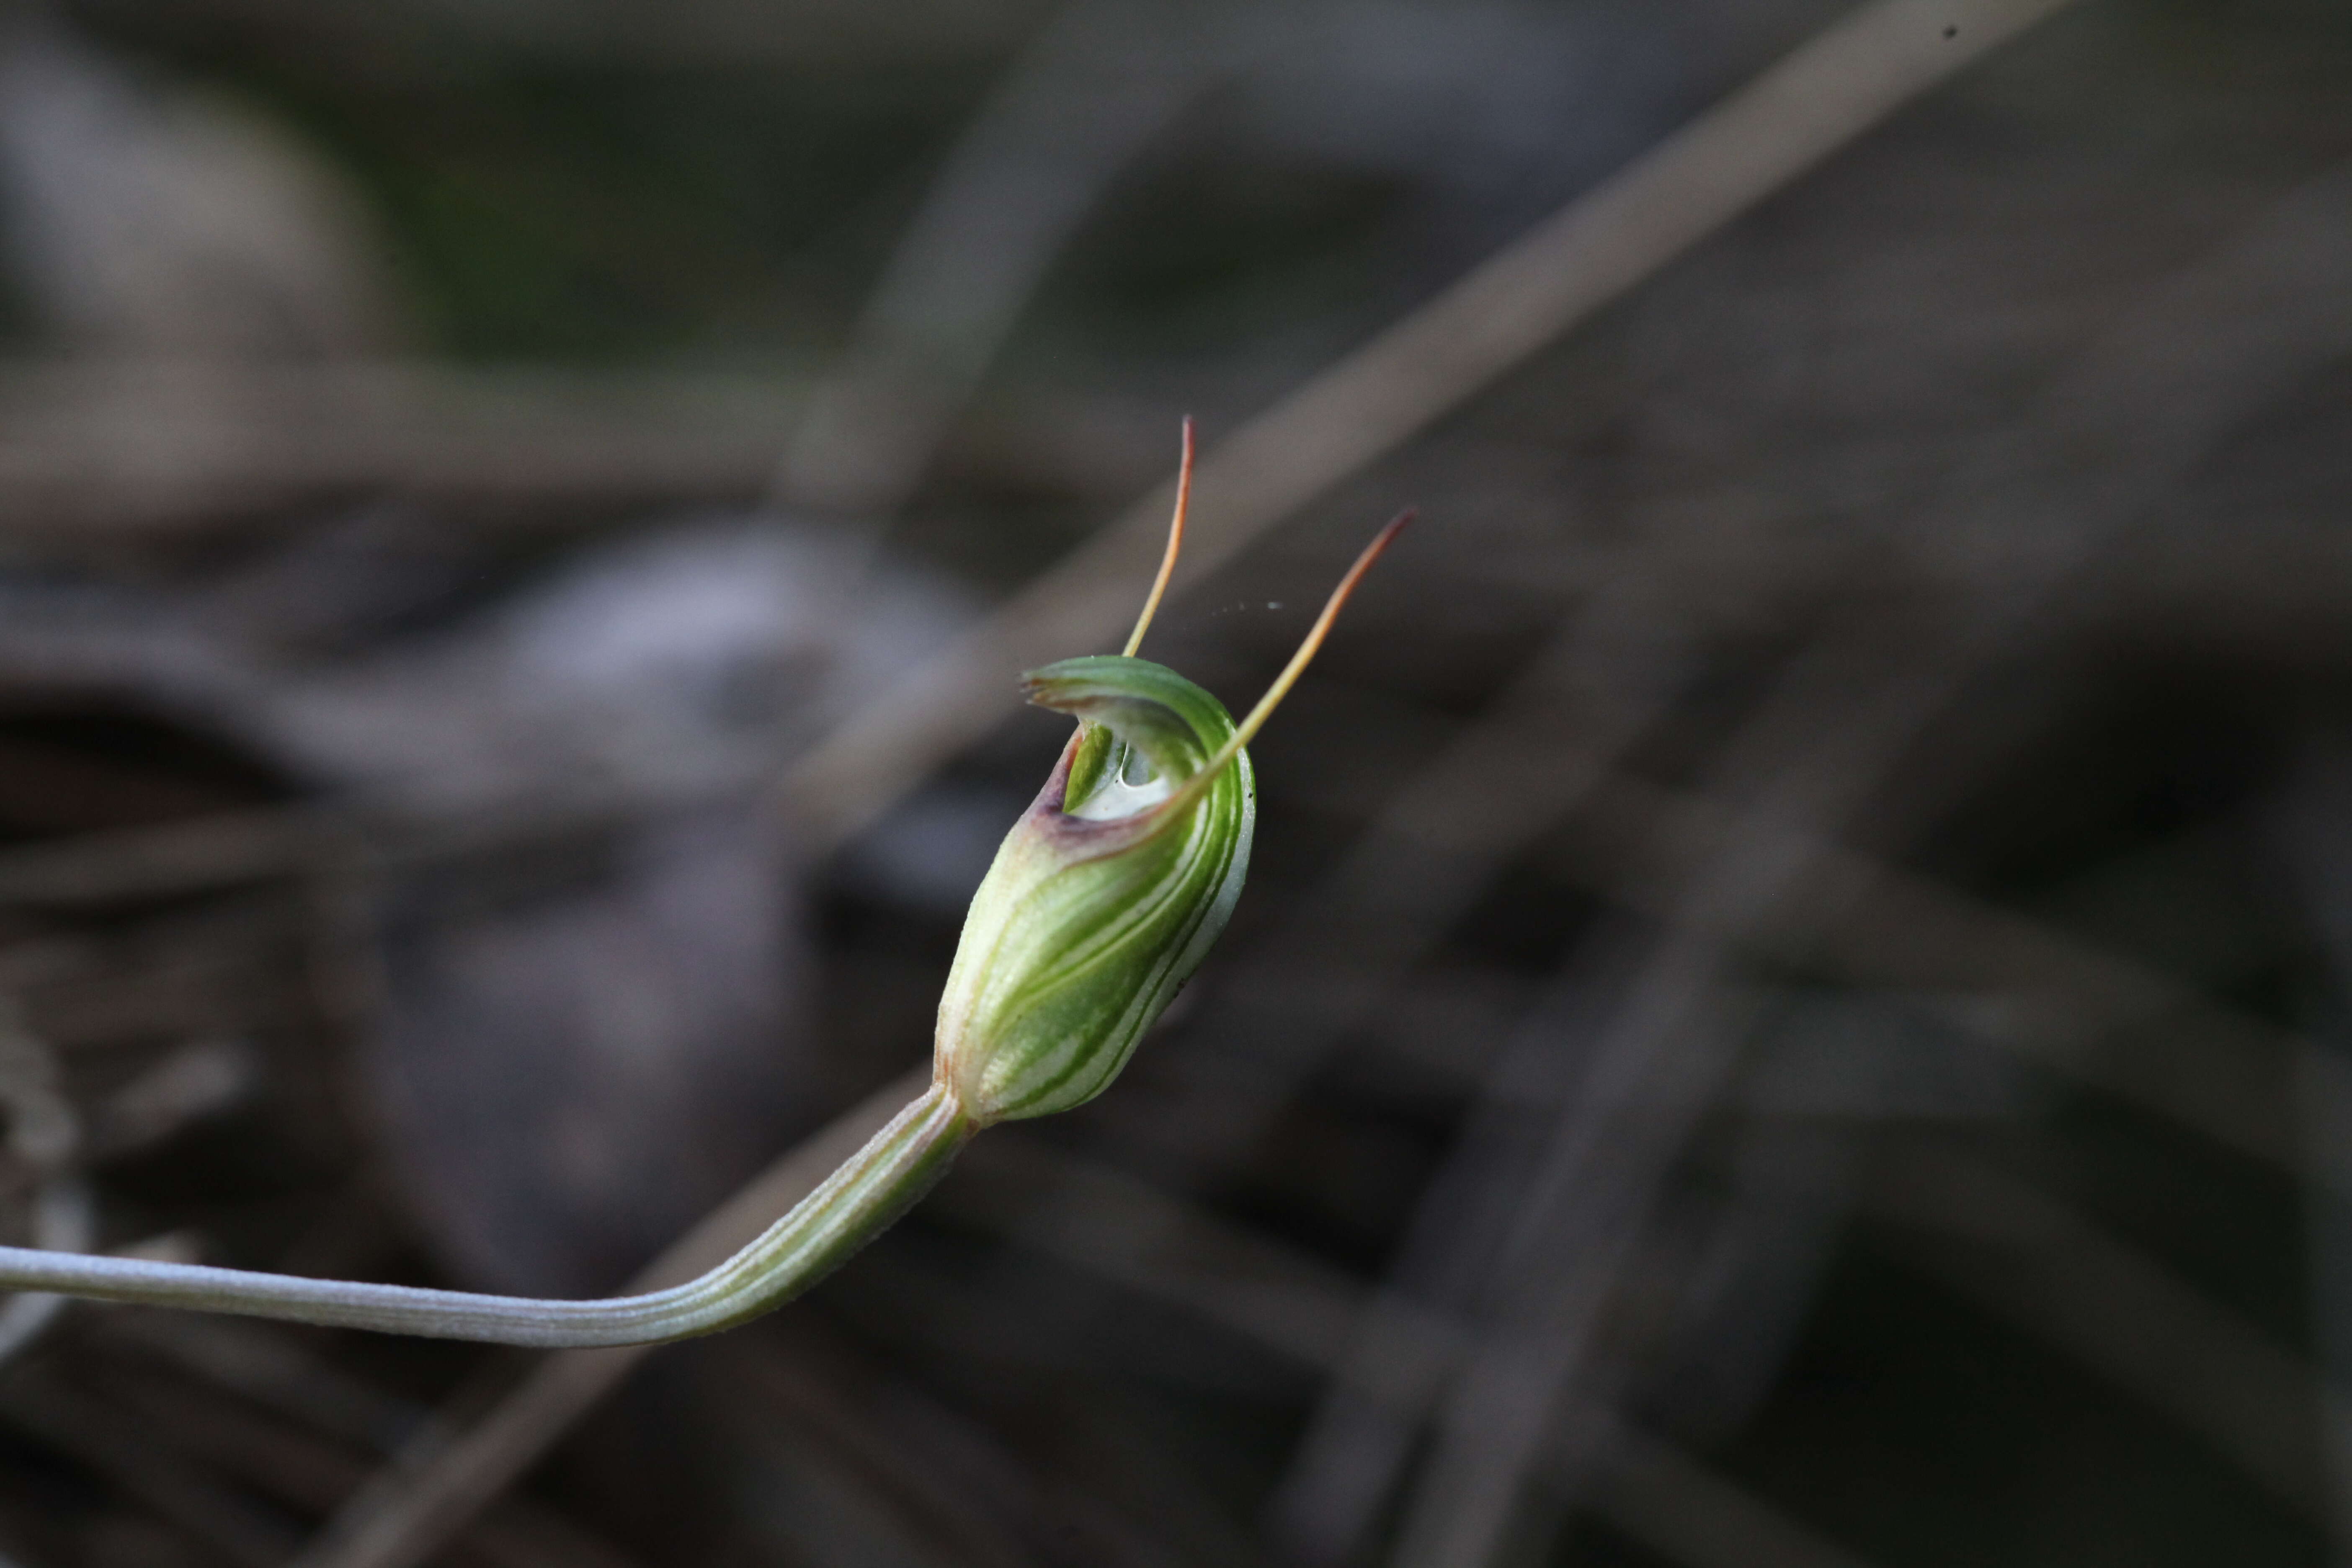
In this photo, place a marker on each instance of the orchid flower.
(1104, 898)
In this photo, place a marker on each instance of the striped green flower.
(1106, 895)
(1102, 902)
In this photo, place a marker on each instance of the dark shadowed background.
(1794, 1005)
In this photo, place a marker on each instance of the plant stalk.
(855, 1204)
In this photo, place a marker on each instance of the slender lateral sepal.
(1096, 748)
(1175, 545)
(1311, 645)
(1103, 899)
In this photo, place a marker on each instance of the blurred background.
(1794, 1005)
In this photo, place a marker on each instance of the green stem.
(872, 1188)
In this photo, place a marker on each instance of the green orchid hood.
(1105, 897)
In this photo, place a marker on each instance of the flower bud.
(1104, 898)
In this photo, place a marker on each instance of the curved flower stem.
(856, 1202)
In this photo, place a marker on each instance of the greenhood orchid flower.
(1105, 897)
(1102, 902)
